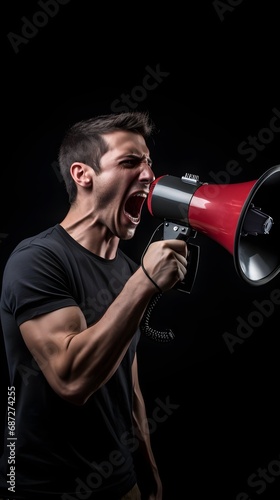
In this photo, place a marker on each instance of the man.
(71, 308)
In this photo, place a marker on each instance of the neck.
(91, 234)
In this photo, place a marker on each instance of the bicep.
(48, 336)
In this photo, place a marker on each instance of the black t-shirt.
(59, 448)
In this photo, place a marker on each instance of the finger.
(181, 259)
(179, 246)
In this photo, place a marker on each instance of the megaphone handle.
(177, 231)
(184, 286)
(193, 261)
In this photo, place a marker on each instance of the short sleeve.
(35, 282)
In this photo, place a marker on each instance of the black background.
(219, 84)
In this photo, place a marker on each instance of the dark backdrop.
(209, 75)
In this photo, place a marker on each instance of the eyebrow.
(140, 157)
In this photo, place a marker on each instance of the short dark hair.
(83, 141)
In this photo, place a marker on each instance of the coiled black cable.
(157, 335)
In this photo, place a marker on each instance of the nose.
(146, 174)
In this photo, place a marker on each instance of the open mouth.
(133, 206)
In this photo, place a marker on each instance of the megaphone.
(243, 218)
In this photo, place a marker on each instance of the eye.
(135, 161)
(130, 162)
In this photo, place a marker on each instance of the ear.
(82, 174)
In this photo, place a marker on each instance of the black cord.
(148, 276)
(158, 336)
(142, 261)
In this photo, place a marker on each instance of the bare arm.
(141, 424)
(76, 359)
